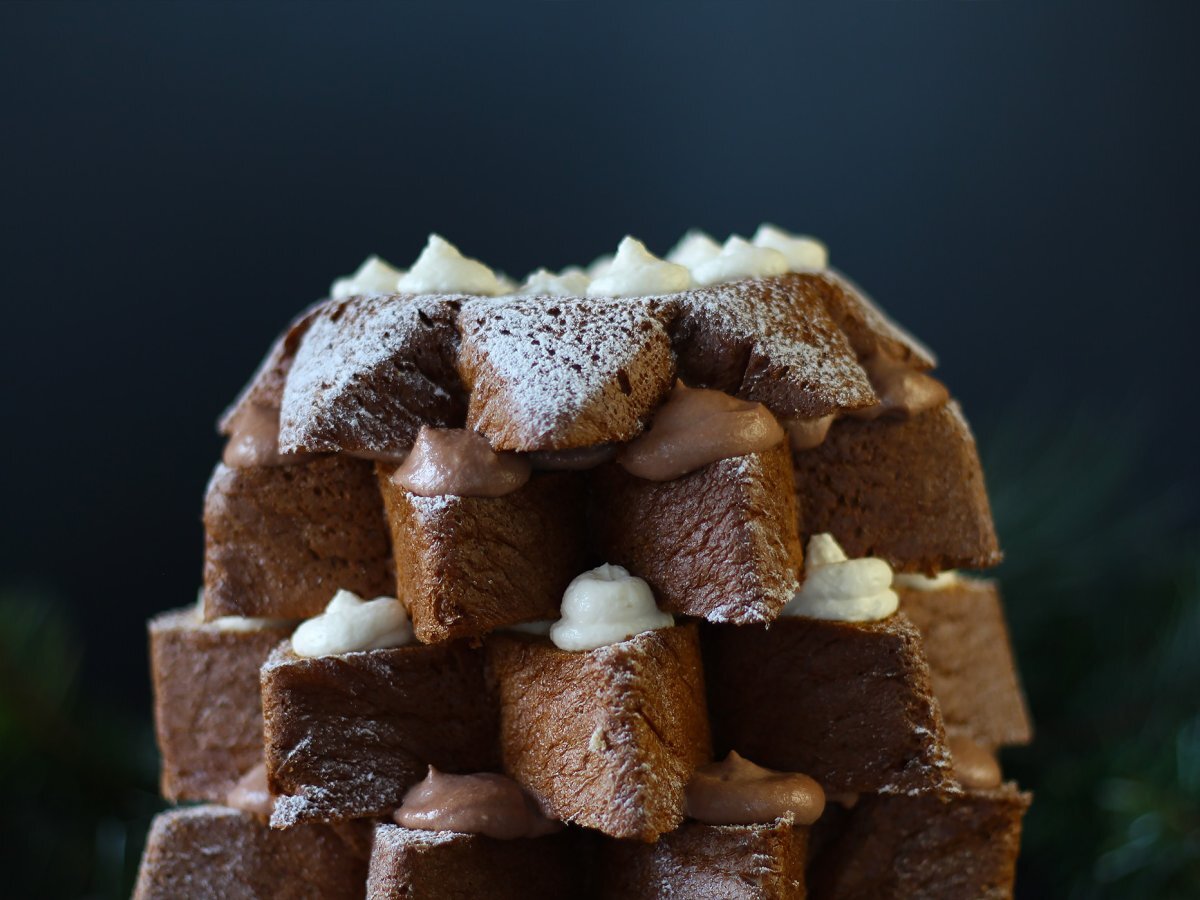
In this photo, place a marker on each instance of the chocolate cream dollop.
(974, 765)
(460, 462)
(254, 439)
(487, 804)
(696, 427)
(902, 390)
(251, 794)
(738, 792)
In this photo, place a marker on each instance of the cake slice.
(719, 543)
(847, 703)
(970, 659)
(605, 738)
(909, 491)
(347, 734)
(207, 711)
(731, 862)
(772, 340)
(279, 540)
(218, 853)
(928, 845)
(263, 395)
(556, 373)
(411, 864)
(469, 565)
(369, 372)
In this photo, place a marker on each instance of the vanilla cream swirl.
(842, 589)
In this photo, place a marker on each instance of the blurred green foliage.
(79, 781)
(1102, 591)
(1103, 595)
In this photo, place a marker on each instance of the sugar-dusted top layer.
(536, 372)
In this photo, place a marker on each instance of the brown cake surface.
(606, 738)
(217, 853)
(849, 704)
(909, 491)
(719, 543)
(280, 541)
(264, 391)
(559, 373)
(709, 862)
(867, 327)
(207, 714)
(927, 845)
(347, 735)
(468, 565)
(368, 372)
(407, 864)
(970, 660)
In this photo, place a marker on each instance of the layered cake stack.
(636, 581)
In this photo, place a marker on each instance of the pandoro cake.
(627, 581)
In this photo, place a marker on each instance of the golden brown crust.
(446, 865)
(561, 373)
(216, 853)
(468, 565)
(720, 543)
(709, 862)
(908, 491)
(848, 704)
(970, 661)
(207, 713)
(927, 845)
(280, 541)
(347, 735)
(606, 738)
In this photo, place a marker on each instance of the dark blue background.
(1015, 181)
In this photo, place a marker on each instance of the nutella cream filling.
(804, 434)
(254, 440)
(459, 462)
(575, 460)
(696, 427)
(487, 804)
(738, 792)
(974, 765)
(903, 391)
(251, 794)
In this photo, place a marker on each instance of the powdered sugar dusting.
(881, 323)
(369, 372)
(394, 838)
(552, 373)
(772, 340)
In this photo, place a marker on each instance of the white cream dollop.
(636, 272)
(247, 623)
(917, 582)
(570, 282)
(605, 606)
(740, 259)
(841, 589)
(350, 623)
(441, 269)
(374, 276)
(694, 247)
(803, 253)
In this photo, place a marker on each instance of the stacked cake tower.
(634, 581)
